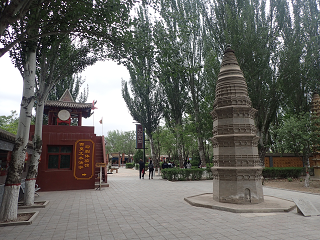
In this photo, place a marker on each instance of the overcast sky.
(104, 80)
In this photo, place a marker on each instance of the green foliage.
(288, 172)
(138, 155)
(181, 174)
(118, 141)
(130, 165)
(297, 134)
(10, 123)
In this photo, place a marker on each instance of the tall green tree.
(10, 123)
(171, 71)
(100, 22)
(144, 99)
(251, 28)
(298, 134)
(118, 141)
(57, 59)
(300, 57)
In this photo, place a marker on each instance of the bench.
(23, 187)
(114, 168)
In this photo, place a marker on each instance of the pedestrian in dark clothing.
(141, 169)
(151, 168)
(164, 165)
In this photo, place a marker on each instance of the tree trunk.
(34, 161)
(153, 155)
(180, 150)
(307, 179)
(9, 205)
(201, 151)
(262, 149)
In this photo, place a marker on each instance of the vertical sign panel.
(84, 160)
(139, 136)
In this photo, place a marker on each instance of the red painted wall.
(55, 179)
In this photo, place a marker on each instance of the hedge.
(182, 174)
(287, 172)
(130, 165)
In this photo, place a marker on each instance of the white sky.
(104, 80)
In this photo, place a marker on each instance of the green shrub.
(130, 165)
(138, 155)
(289, 179)
(288, 172)
(181, 174)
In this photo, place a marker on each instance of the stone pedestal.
(237, 171)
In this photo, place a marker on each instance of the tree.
(298, 134)
(145, 105)
(58, 59)
(12, 11)
(300, 58)
(251, 28)
(10, 123)
(171, 73)
(138, 155)
(100, 22)
(8, 210)
(118, 141)
(165, 140)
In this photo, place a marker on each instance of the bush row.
(182, 174)
(130, 165)
(287, 172)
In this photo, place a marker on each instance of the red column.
(80, 119)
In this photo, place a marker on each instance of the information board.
(84, 159)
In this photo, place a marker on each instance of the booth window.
(59, 157)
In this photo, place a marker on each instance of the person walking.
(141, 169)
(151, 168)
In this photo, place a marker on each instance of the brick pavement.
(154, 209)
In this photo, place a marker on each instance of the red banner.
(139, 137)
(84, 160)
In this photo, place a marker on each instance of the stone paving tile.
(139, 209)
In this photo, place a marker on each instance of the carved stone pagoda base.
(237, 185)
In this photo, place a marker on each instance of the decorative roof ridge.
(66, 97)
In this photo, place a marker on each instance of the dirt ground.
(296, 184)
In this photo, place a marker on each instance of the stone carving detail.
(236, 176)
(236, 160)
(234, 128)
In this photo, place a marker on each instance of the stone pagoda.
(236, 165)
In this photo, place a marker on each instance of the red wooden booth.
(69, 150)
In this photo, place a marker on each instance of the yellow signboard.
(84, 160)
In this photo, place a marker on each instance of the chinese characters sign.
(84, 161)
(139, 137)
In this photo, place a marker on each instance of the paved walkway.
(154, 209)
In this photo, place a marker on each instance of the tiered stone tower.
(236, 165)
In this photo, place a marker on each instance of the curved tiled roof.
(7, 136)
(61, 104)
(10, 137)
